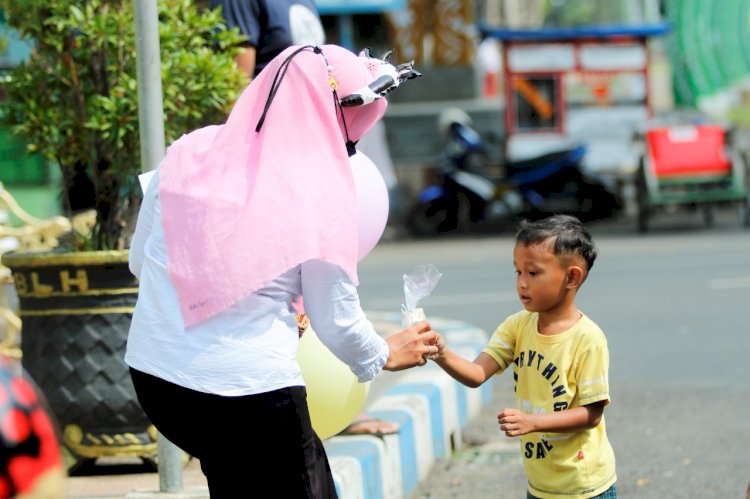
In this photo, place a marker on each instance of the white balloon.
(372, 202)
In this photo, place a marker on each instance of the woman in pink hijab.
(238, 222)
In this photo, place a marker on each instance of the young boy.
(561, 362)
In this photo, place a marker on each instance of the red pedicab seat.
(688, 151)
(690, 165)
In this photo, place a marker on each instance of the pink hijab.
(241, 207)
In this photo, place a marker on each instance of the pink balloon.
(372, 202)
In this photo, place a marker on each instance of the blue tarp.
(551, 34)
(358, 6)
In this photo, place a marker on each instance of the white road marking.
(729, 283)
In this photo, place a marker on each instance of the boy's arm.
(469, 373)
(515, 422)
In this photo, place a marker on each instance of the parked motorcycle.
(466, 195)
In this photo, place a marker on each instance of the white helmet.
(450, 116)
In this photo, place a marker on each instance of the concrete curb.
(431, 409)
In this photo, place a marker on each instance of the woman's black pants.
(252, 446)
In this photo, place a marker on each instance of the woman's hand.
(410, 347)
(303, 322)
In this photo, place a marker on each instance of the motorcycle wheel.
(599, 203)
(644, 210)
(438, 216)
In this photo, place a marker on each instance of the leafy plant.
(75, 100)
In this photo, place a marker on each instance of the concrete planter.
(76, 310)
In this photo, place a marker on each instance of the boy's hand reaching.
(514, 422)
(437, 347)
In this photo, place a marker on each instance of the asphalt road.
(674, 305)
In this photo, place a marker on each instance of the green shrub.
(75, 100)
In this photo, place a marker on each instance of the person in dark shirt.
(270, 26)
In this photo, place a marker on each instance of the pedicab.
(690, 166)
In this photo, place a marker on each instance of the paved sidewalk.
(127, 478)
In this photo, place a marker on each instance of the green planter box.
(17, 166)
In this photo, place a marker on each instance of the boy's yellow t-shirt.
(554, 373)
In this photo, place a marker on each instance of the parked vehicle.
(694, 166)
(465, 195)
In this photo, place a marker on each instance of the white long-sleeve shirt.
(252, 346)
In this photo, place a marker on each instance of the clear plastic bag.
(418, 285)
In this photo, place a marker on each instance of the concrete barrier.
(431, 409)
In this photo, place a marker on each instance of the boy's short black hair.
(571, 237)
